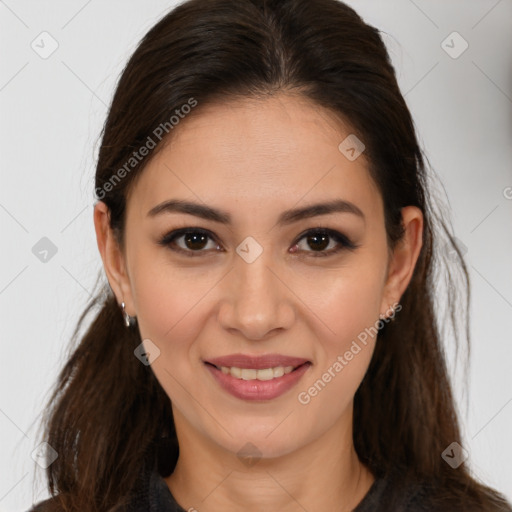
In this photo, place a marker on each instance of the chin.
(254, 446)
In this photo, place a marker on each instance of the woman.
(267, 339)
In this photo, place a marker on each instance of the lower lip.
(258, 389)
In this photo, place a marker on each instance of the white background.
(52, 111)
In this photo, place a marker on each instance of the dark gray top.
(387, 493)
(154, 495)
(161, 499)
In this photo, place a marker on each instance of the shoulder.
(432, 497)
(398, 492)
(137, 500)
(48, 505)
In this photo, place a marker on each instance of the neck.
(323, 475)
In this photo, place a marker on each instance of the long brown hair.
(108, 416)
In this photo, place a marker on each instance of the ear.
(112, 256)
(404, 258)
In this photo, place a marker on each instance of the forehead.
(257, 152)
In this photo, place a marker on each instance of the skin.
(256, 159)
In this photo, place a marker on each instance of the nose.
(256, 302)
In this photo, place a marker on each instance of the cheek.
(168, 298)
(349, 309)
(170, 306)
(343, 352)
(348, 302)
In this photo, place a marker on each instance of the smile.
(256, 374)
(257, 383)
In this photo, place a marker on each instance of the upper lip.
(257, 362)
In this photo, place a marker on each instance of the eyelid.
(333, 233)
(172, 235)
(343, 241)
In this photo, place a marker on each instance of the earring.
(390, 318)
(126, 316)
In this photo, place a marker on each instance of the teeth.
(253, 374)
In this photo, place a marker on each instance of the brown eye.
(189, 241)
(317, 241)
(194, 241)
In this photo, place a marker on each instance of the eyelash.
(343, 241)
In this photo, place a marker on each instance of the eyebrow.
(287, 217)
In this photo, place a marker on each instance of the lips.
(251, 380)
(262, 377)
(256, 362)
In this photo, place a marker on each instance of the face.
(250, 269)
